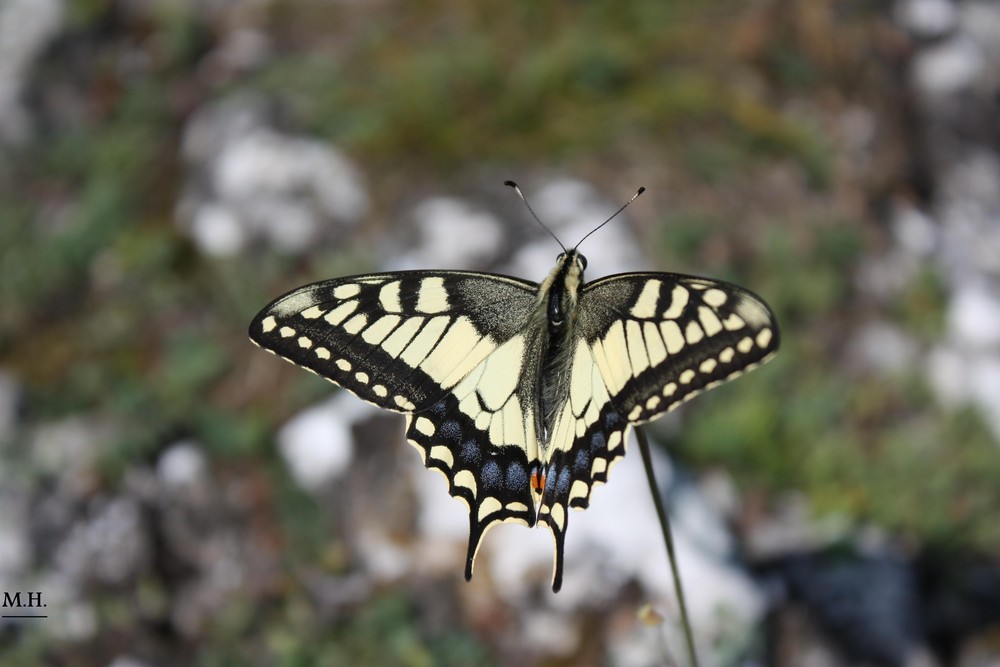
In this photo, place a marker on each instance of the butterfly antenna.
(613, 216)
(512, 184)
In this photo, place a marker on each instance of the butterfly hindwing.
(582, 450)
(492, 480)
(482, 435)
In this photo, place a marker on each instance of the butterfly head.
(563, 285)
(572, 261)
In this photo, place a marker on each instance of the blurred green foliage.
(490, 80)
(859, 443)
(107, 307)
(384, 632)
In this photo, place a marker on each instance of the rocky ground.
(179, 497)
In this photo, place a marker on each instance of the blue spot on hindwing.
(491, 475)
(450, 430)
(469, 455)
(581, 466)
(517, 476)
(598, 443)
(562, 484)
(550, 479)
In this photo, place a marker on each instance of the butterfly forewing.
(397, 340)
(660, 339)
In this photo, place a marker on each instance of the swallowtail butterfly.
(522, 395)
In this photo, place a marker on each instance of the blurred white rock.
(317, 444)
(266, 163)
(111, 546)
(127, 661)
(451, 234)
(973, 176)
(962, 377)
(211, 128)
(943, 69)
(182, 465)
(442, 518)
(927, 18)
(26, 28)
(248, 181)
(915, 231)
(567, 204)
(974, 315)
(883, 347)
(217, 230)
(970, 246)
(947, 372)
(970, 215)
(548, 632)
(383, 557)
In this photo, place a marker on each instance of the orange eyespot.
(537, 480)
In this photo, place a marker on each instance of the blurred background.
(174, 495)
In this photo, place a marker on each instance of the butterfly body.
(559, 293)
(521, 394)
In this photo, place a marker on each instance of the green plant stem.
(661, 513)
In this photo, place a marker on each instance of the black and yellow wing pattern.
(520, 394)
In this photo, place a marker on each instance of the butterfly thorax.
(558, 296)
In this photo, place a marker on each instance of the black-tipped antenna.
(613, 216)
(512, 184)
